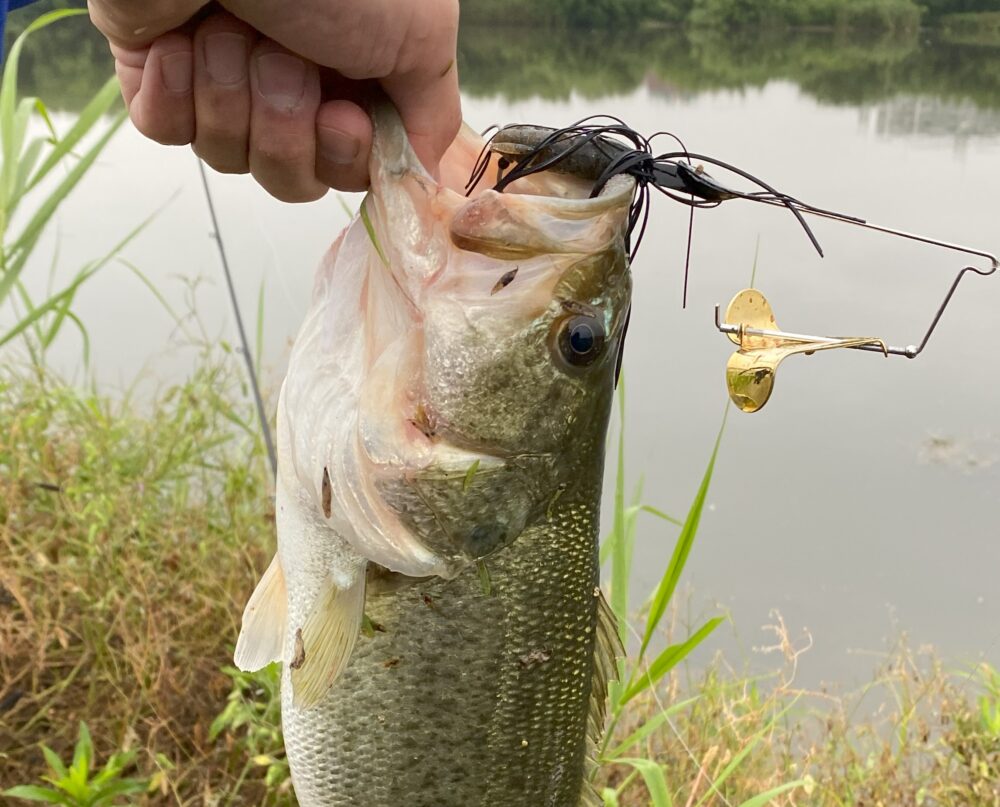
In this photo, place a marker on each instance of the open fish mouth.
(422, 388)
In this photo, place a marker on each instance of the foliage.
(65, 64)
(865, 15)
(838, 69)
(252, 718)
(25, 173)
(130, 541)
(639, 678)
(74, 786)
(914, 735)
(982, 28)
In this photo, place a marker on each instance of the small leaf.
(34, 793)
(652, 775)
(83, 754)
(54, 762)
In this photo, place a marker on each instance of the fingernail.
(175, 71)
(226, 58)
(337, 146)
(281, 79)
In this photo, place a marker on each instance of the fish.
(435, 598)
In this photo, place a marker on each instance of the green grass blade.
(669, 659)
(177, 318)
(363, 210)
(34, 793)
(646, 508)
(8, 92)
(652, 775)
(610, 797)
(682, 548)
(25, 166)
(84, 336)
(14, 143)
(83, 753)
(647, 728)
(50, 305)
(763, 799)
(89, 116)
(55, 764)
(54, 302)
(21, 248)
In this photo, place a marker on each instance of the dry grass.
(918, 734)
(129, 544)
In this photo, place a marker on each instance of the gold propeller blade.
(750, 370)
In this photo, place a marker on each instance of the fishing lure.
(601, 147)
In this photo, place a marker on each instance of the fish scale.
(443, 708)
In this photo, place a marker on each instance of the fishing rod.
(216, 234)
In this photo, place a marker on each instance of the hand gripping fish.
(441, 435)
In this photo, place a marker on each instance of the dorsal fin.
(608, 649)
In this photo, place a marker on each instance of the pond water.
(863, 501)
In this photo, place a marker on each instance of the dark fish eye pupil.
(581, 338)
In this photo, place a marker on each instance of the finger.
(431, 112)
(343, 145)
(159, 81)
(284, 99)
(222, 47)
(134, 25)
(424, 84)
(128, 69)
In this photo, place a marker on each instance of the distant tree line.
(867, 14)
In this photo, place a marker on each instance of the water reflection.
(908, 83)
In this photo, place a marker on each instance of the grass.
(28, 172)
(130, 542)
(129, 546)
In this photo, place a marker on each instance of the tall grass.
(27, 176)
(637, 674)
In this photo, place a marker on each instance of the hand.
(278, 89)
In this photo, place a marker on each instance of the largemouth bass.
(435, 597)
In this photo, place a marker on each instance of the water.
(863, 500)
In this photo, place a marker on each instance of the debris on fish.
(446, 401)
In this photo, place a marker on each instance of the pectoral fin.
(323, 645)
(262, 635)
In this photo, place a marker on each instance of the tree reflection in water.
(908, 83)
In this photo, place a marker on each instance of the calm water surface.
(864, 499)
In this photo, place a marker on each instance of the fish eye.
(580, 339)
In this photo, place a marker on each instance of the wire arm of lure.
(909, 351)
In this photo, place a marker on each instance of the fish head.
(483, 362)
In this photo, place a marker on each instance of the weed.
(25, 169)
(74, 785)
